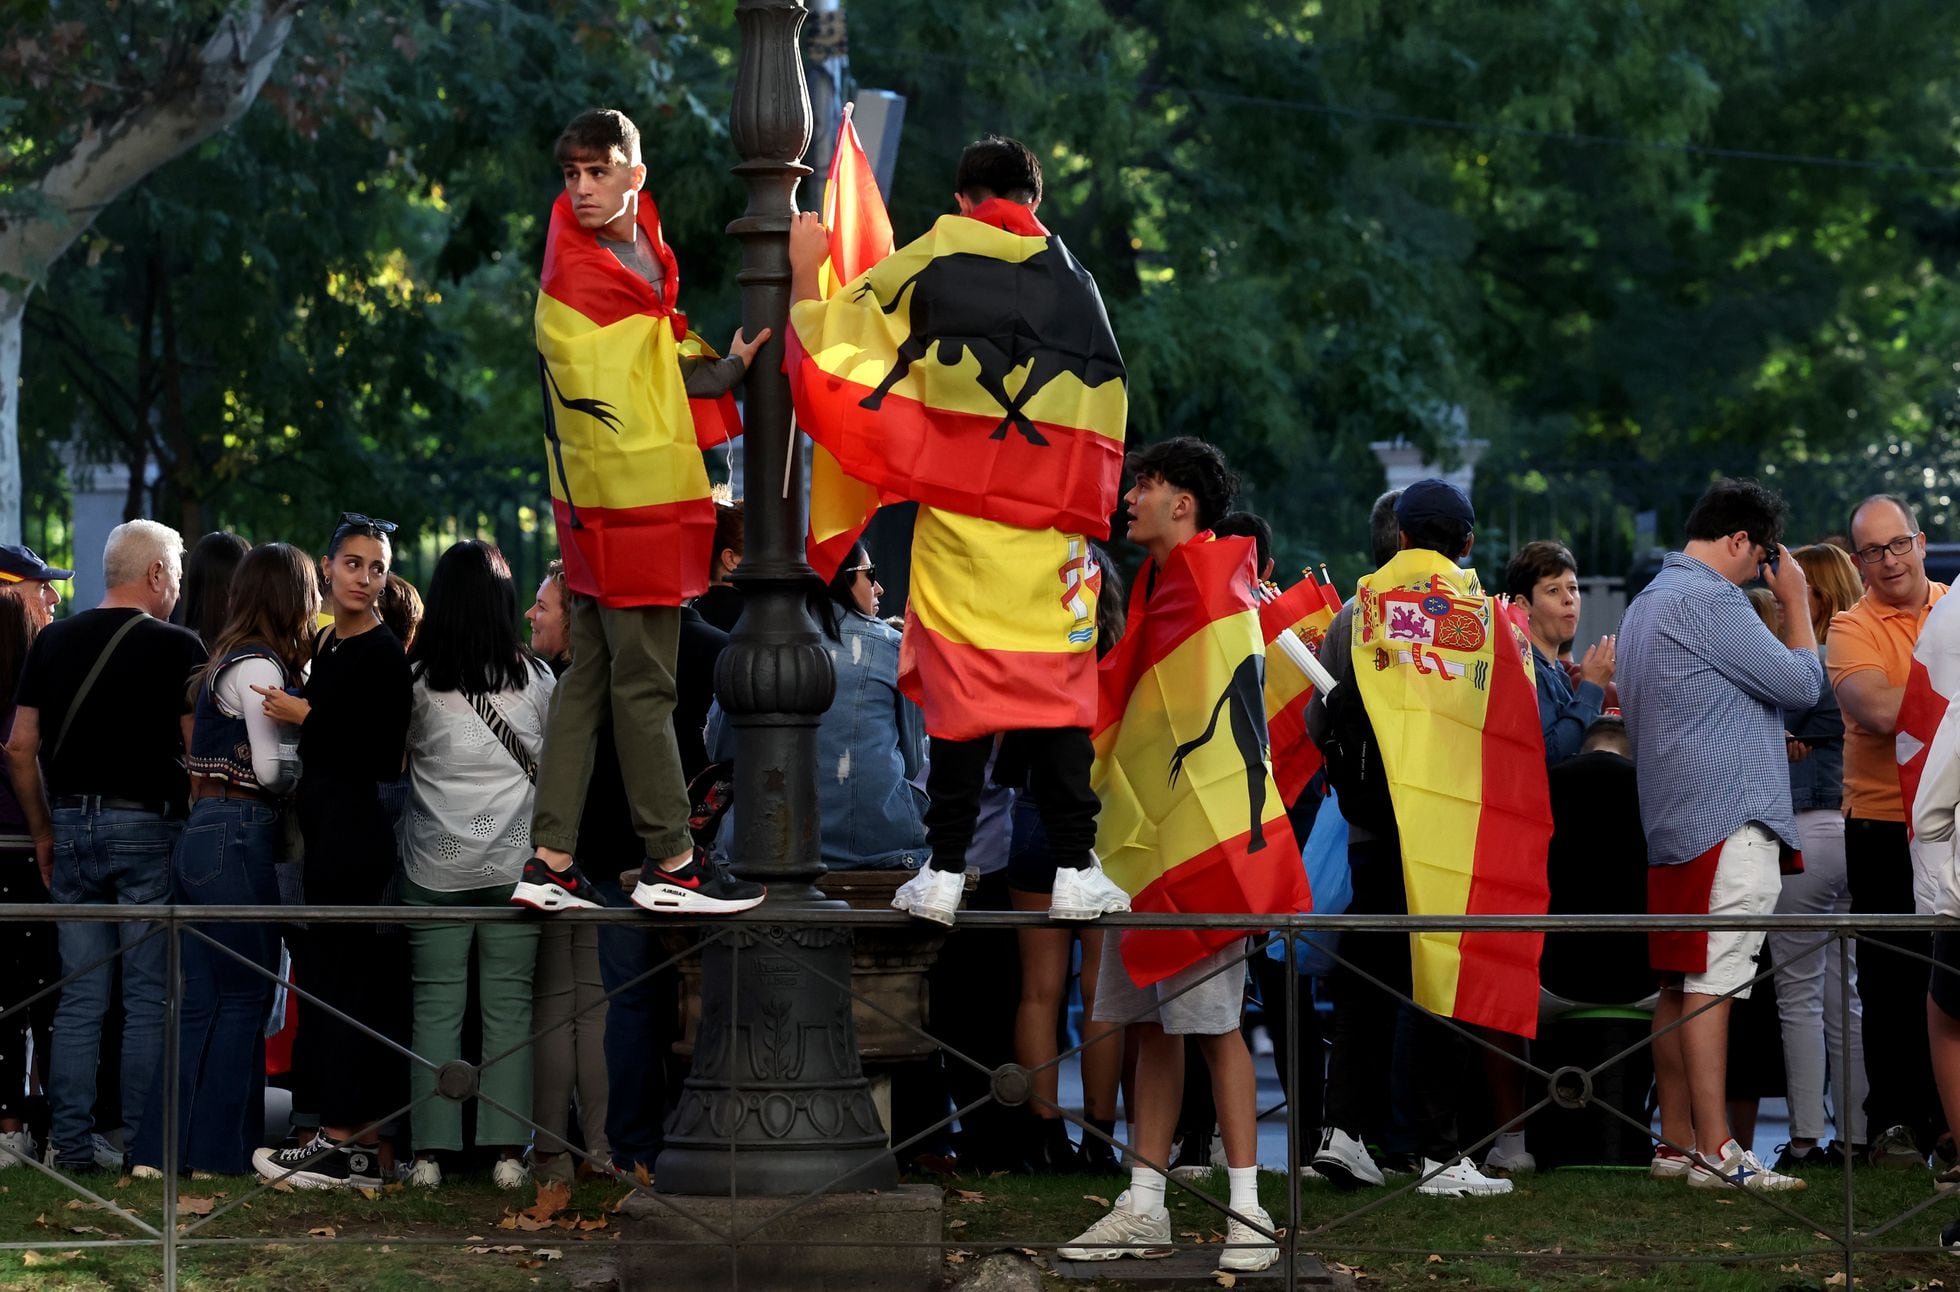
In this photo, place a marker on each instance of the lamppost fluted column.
(776, 1102)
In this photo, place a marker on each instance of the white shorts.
(1748, 880)
(1210, 1008)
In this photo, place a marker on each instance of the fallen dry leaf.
(76, 1204)
(1225, 1280)
(1837, 1280)
(956, 1224)
(48, 1258)
(957, 1256)
(123, 1183)
(323, 1231)
(530, 1265)
(548, 1253)
(370, 1194)
(644, 1176)
(1433, 1259)
(1099, 1201)
(189, 1206)
(513, 1249)
(969, 1195)
(553, 1195)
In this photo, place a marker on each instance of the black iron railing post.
(173, 1000)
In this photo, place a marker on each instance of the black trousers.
(1891, 986)
(29, 961)
(1056, 764)
(1358, 1071)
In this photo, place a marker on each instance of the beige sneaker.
(1122, 1233)
(1742, 1167)
(1247, 1251)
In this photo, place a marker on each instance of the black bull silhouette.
(1245, 693)
(1042, 312)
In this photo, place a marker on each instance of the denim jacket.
(869, 745)
(1817, 782)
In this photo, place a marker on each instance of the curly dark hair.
(1193, 465)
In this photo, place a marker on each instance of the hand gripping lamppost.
(777, 1103)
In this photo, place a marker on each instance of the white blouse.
(468, 823)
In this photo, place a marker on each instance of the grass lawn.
(416, 1240)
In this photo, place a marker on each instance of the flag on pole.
(860, 236)
(1446, 677)
(972, 370)
(1191, 819)
(629, 492)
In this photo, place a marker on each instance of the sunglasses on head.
(368, 522)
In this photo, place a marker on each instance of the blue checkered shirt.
(1704, 686)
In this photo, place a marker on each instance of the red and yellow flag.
(717, 420)
(1191, 819)
(628, 489)
(1296, 619)
(972, 370)
(860, 237)
(1000, 631)
(1447, 680)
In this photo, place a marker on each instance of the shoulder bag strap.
(88, 683)
(505, 736)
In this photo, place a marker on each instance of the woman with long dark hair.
(353, 722)
(29, 956)
(473, 743)
(243, 765)
(209, 569)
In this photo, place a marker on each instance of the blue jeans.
(228, 856)
(641, 1027)
(106, 858)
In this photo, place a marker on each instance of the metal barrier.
(1569, 1087)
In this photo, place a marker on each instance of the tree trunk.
(221, 82)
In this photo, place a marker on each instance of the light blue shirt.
(1704, 685)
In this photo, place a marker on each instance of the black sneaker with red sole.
(548, 890)
(700, 887)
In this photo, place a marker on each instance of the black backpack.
(1354, 763)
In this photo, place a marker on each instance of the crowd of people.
(255, 725)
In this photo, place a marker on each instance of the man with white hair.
(97, 755)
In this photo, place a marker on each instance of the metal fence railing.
(1298, 1234)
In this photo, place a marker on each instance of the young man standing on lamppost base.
(635, 519)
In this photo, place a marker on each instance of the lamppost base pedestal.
(837, 1242)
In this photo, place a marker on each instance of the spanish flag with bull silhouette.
(1446, 677)
(629, 491)
(974, 371)
(1191, 820)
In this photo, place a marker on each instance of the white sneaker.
(426, 1173)
(1669, 1165)
(1085, 894)
(1247, 1250)
(509, 1173)
(1122, 1233)
(1518, 1163)
(1463, 1180)
(15, 1147)
(1742, 1167)
(140, 1172)
(931, 895)
(1344, 1161)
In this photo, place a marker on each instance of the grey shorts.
(1212, 1008)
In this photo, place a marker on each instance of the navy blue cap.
(19, 564)
(1434, 499)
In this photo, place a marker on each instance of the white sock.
(1509, 1144)
(1245, 1188)
(1146, 1191)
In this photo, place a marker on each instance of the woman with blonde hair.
(1808, 987)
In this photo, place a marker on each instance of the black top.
(359, 697)
(721, 606)
(694, 686)
(127, 740)
(1597, 865)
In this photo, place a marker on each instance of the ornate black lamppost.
(777, 1103)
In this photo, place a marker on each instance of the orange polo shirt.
(1874, 637)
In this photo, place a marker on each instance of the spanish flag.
(972, 371)
(628, 489)
(717, 420)
(1191, 819)
(1000, 629)
(1295, 620)
(860, 237)
(1446, 677)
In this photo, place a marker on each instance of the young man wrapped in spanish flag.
(1191, 823)
(974, 372)
(635, 522)
(1441, 773)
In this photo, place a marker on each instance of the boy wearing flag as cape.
(635, 520)
(903, 376)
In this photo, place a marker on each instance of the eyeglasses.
(355, 518)
(868, 571)
(1898, 547)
